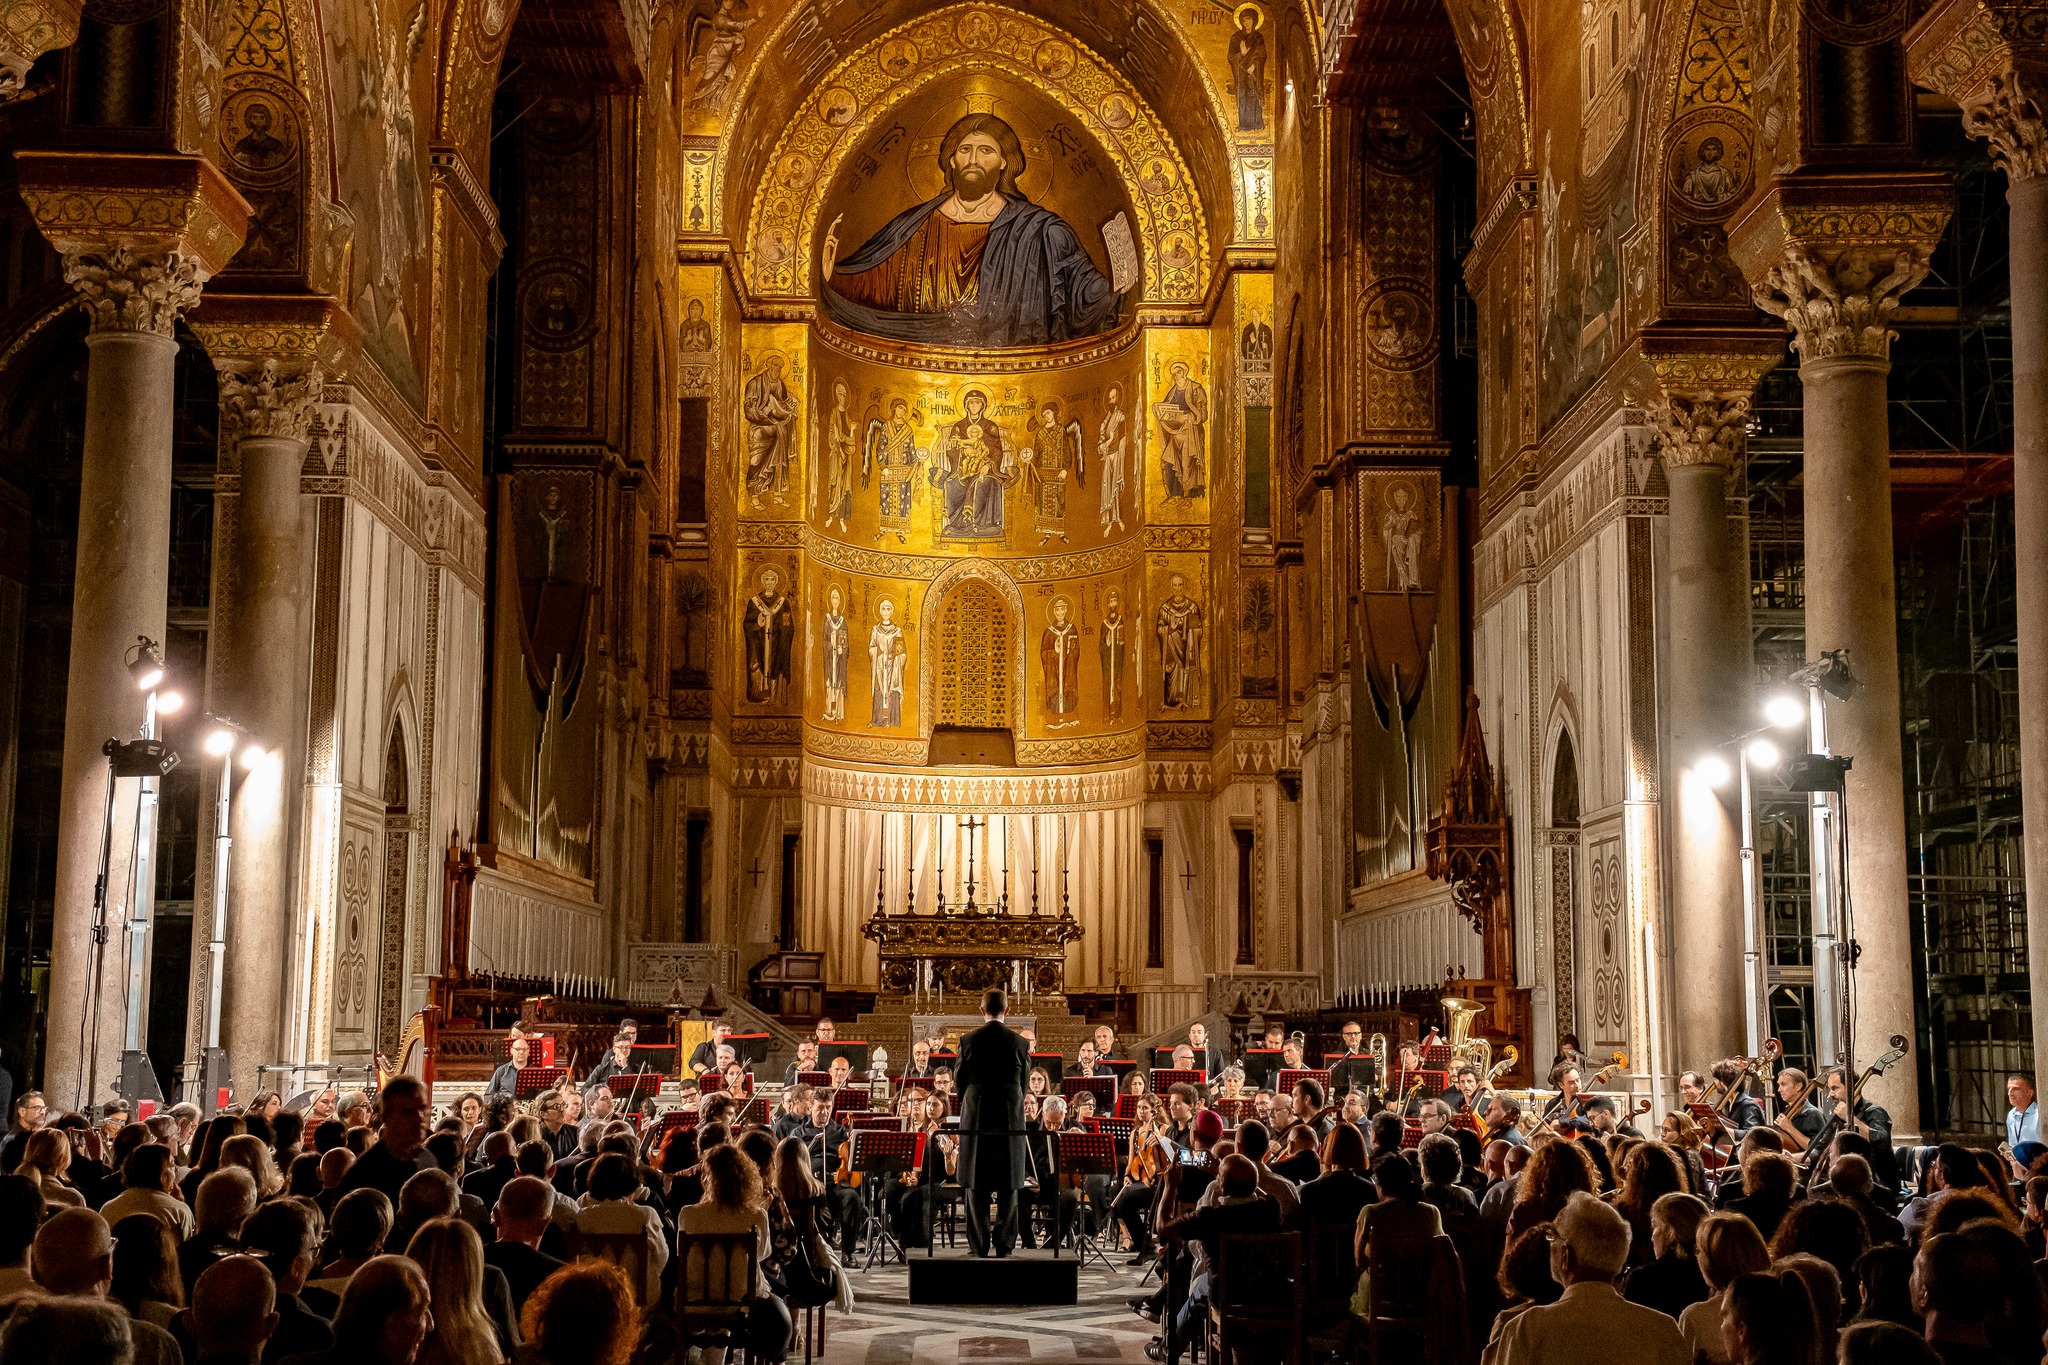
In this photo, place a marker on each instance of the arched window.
(1564, 784)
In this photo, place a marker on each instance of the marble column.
(259, 671)
(1700, 408)
(133, 299)
(1990, 59)
(1832, 258)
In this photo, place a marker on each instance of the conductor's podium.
(1030, 1278)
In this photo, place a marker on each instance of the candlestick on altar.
(1003, 901)
(939, 837)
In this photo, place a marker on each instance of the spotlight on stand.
(169, 703)
(140, 757)
(145, 663)
(1713, 770)
(1782, 710)
(1830, 673)
(1761, 753)
(220, 743)
(1815, 772)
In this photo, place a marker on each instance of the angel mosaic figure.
(1054, 455)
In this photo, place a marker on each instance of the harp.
(415, 1049)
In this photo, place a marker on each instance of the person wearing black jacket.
(287, 1238)
(1240, 1209)
(705, 1056)
(992, 1066)
(521, 1219)
(1866, 1121)
(400, 1151)
(824, 1137)
(505, 1080)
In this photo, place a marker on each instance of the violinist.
(1309, 1112)
(826, 1138)
(1565, 1103)
(1230, 1085)
(1135, 1083)
(1141, 1177)
(1041, 1168)
(908, 1198)
(796, 1112)
(738, 1083)
(1290, 1055)
(841, 1072)
(1037, 1083)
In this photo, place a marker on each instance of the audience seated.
(522, 1216)
(1669, 1280)
(233, 1313)
(285, 1235)
(583, 1315)
(147, 1281)
(66, 1332)
(1590, 1320)
(226, 1200)
(73, 1258)
(149, 1179)
(383, 1319)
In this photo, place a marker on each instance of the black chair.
(1258, 1299)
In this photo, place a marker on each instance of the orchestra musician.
(1353, 1109)
(1182, 1103)
(1105, 1044)
(796, 1112)
(907, 1199)
(1231, 1083)
(617, 1060)
(1796, 1110)
(920, 1059)
(1565, 1103)
(1084, 1061)
(738, 1083)
(827, 1031)
(1142, 1170)
(825, 1136)
(1135, 1083)
(1465, 1096)
(1866, 1121)
(505, 1080)
(705, 1056)
(1291, 1056)
(1184, 1058)
(806, 1060)
(841, 1072)
(1308, 1109)
(1204, 1058)
(1504, 1121)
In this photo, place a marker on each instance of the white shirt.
(1592, 1322)
(168, 1207)
(1700, 1325)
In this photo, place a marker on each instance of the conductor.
(993, 1061)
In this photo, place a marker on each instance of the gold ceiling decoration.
(834, 122)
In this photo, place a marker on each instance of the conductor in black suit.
(991, 1070)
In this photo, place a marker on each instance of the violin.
(1145, 1163)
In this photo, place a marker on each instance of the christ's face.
(977, 165)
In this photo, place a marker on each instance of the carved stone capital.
(271, 399)
(1696, 386)
(137, 207)
(28, 29)
(125, 290)
(1832, 255)
(1991, 58)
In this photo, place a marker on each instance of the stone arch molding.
(928, 650)
(780, 250)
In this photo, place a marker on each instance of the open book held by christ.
(979, 265)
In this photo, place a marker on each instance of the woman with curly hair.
(583, 1314)
(1555, 1172)
(1649, 1171)
(252, 1154)
(1682, 1134)
(1828, 1229)
(451, 1256)
(1525, 1281)
(735, 1201)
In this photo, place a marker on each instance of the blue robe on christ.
(1035, 285)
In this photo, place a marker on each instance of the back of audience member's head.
(1729, 1247)
(1239, 1176)
(234, 1309)
(225, 1200)
(759, 1146)
(383, 1316)
(281, 1232)
(731, 1181)
(1825, 1228)
(1525, 1267)
(1396, 1177)
(131, 1136)
(1956, 1167)
(427, 1194)
(1555, 1172)
(1768, 1319)
(329, 1135)
(361, 1222)
(1885, 1343)
(1386, 1133)
(1675, 1220)
(252, 1154)
(710, 1135)
(302, 1181)
(533, 1158)
(21, 1213)
(1440, 1159)
(145, 1264)
(2016, 1328)
(1960, 1208)
(66, 1332)
(1823, 1291)
(1595, 1234)
(1769, 1173)
(583, 1314)
(1849, 1176)
(446, 1149)
(1955, 1278)
(612, 1176)
(1254, 1139)
(1344, 1149)
(524, 1205)
(1884, 1277)
(73, 1253)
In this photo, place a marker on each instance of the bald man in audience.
(66, 1332)
(521, 1217)
(73, 1258)
(1588, 1251)
(385, 1315)
(496, 1170)
(233, 1312)
(286, 1234)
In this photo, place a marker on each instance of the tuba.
(1467, 1050)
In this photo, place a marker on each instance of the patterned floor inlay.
(885, 1328)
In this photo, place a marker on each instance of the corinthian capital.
(126, 289)
(1696, 385)
(1839, 303)
(1991, 58)
(2008, 117)
(269, 399)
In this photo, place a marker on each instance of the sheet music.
(1123, 252)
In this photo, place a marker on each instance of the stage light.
(169, 702)
(146, 671)
(1713, 770)
(252, 756)
(220, 743)
(1784, 710)
(1763, 754)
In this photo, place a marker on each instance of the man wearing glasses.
(556, 1130)
(29, 1115)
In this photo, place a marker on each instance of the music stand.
(1103, 1088)
(1165, 1078)
(1351, 1071)
(877, 1155)
(1081, 1155)
(1055, 1065)
(754, 1112)
(1127, 1105)
(873, 1123)
(1411, 1136)
(1162, 1059)
(631, 1087)
(1291, 1076)
(814, 1078)
(1436, 1057)
(916, 1083)
(1433, 1085)
(1234, 1112)
(1119, 1067)
(677, 1118)
(848, 1100)
(1259, 1065)
(853, 1049)
(534, 1079)
(1119, 1130)
(748, 1049)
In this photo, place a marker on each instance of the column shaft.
(261, 666)
(121, 578)
(1707, 669)
(1852, 602)
(2028, 199)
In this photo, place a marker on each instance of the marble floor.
(884, 1327)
